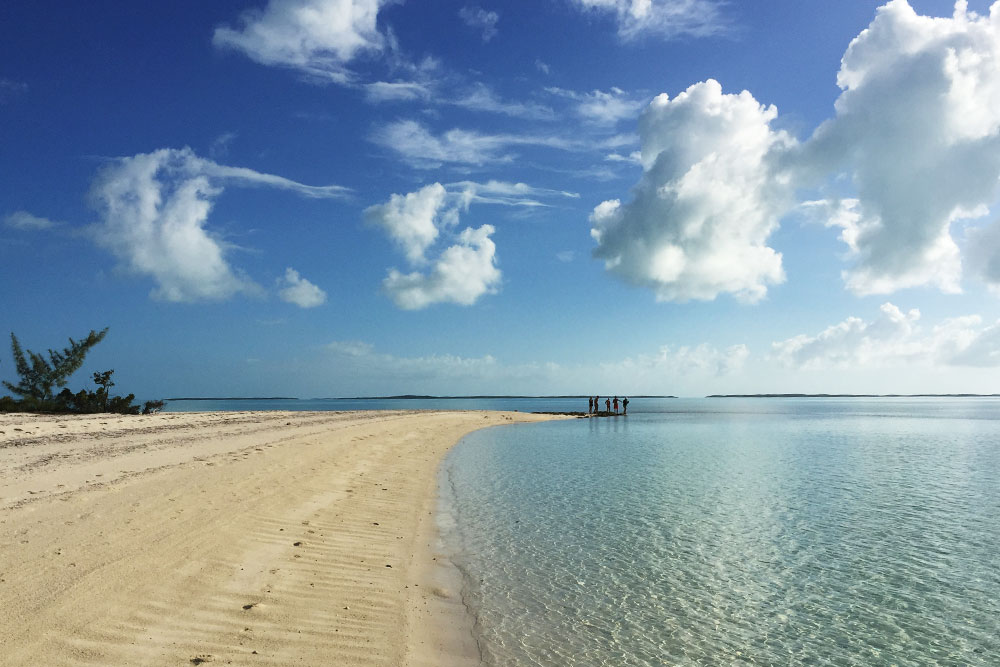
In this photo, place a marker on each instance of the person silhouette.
(616, 405)
(625, 405)
(590, 404)
(607, 405)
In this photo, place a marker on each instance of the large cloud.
(893, 339)
(916, 131)
(707, 201)
(668, 18)
(153, 212)
(318, 37)
(917, 126)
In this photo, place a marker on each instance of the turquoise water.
(718, 531)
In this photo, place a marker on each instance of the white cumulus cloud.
(317, 37)
(668, 18)
(708, 199)
(463, 273)
(154, 209)
(412, 220)
(917, 127)
(293, 288)
(893, 339)
(916, 133)
(854, 342)
(982, 254)
(422, 221)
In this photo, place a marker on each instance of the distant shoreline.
(420, 397)
(853, 396)
(374, 398)
(233, 398)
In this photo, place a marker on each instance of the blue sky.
(358, 197)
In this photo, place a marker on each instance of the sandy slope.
(234, 538)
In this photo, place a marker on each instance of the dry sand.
(245, 538)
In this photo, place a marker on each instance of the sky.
(332, 198)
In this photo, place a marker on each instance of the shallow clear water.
(724, 531)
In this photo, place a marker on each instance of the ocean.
(799, 531)
(734, 532)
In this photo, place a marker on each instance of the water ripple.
(802, 535)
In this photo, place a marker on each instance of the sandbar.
(245, 538)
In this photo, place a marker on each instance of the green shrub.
(38, 377)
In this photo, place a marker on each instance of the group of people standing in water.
(594, 405)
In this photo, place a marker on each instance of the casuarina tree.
(40, 375)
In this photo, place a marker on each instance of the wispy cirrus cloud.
(663, 18)
(480, 19)
(379, 92)
(602, 107)
(26, 221)
(413, 142)
(476, 96)
(220, 145)
(10, 89)
(480, 97)
(506, 193)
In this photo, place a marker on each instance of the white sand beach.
(249, 538)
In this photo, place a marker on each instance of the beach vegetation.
(39, 376)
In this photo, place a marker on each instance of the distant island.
(233, 398)
(852, 396)
(453, 398)
(406, 397)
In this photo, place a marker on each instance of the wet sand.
(247, 538)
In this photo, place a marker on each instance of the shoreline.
(254, 537)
